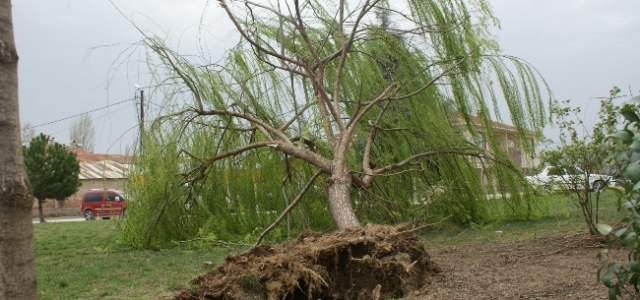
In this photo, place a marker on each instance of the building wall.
(71, 205)
(508, 140)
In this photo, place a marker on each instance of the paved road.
(60, 219)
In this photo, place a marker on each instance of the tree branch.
(303, 32)
(251, 41)
(346, 45)
(289, 208)
(433, 80)
(259, 123)
(365, 110)
(187, 80)
(463, 152)
(366, 161)
(298, 114)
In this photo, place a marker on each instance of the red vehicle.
(100, 203)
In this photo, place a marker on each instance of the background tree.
(28, 132)
(17, 266)
(587, 149)
(83, 133)
(322, 89)
(53, 170)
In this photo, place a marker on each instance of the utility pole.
(141, 118)
(141, 111)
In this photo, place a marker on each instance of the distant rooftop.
(84, 156)
(102, 166)
(105, 169)
(496, 125)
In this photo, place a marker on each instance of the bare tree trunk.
(40, 214)
(339, 194)
(17, 268)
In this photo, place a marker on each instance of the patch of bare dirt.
(540, 268)
(382, 262)
(374, 262)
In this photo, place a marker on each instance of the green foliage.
(230, 156)
(618, 277)
(53, 170)
(165, 209)
(580, 147)
(587, 150)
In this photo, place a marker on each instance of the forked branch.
(463, 152)
(252, 119)
(253, 43)
(289, 208)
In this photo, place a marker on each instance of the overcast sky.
(69, 54)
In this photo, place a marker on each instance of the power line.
(93, 119)
(86, 112)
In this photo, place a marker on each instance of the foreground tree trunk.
(339, 197)
(40, 214)
(17, 268)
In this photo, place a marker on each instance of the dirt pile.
(374, 262)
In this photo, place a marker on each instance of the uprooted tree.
(380, 99)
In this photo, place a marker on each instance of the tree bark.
(17, 268)
(40, 214)
(339, 196)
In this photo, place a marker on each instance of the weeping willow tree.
(354, 111)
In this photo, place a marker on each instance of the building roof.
(105, 169)
(476, 121)
(102, 166)
(84, 156)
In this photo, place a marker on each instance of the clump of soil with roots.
(373, 262)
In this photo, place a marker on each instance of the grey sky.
(582, 48)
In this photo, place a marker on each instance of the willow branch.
(187, 80)
(303, 32)
(463, 152)
(289, 208)
(433, 80)
(258, 122)
(277, 12)
(366, 161)
(322, 107)
(298, 114)
(250, 40)
(383, 96)
(346, 45)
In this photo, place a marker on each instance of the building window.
(481, 141)
(531, 143)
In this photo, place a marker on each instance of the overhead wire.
(86, 112)
(92, 119)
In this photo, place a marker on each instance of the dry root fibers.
(373, 262)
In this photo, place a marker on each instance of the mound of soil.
(374, 262)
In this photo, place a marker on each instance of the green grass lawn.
(82, 260)
(564, 218)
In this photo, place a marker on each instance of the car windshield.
(574, 171)
(555, 171)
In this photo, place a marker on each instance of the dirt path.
(541, 268)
